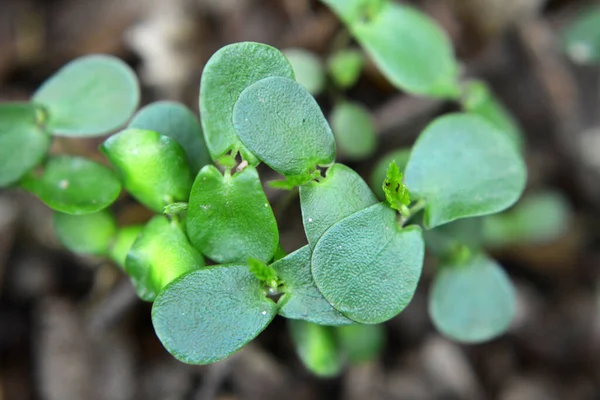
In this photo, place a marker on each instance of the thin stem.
(412, 211)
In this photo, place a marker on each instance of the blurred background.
(71, 327)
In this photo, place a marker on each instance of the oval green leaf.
(208, 314)
(282, 124)
(361, 343)
(74, 185)
(89, 96)
(341, 193)
(463, 166)
(229, 217)
(345, 67)
(86, 234)
(409, 48)
(23, 141)
(301, 298)
(472, 303)
(122, 242)
(228, 72)
(317, 347)
(354, 130)
(379, 173)
(177, 122)
(581, 39)
(308, 69)
(479, 99)
(367, 267)
(160, 254)
(153, 167)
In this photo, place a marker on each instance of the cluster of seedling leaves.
(365, 247)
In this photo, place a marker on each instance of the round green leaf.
(23, 142)
(581, 39)
(282, 124)
(341, 193)
(345, 67)
(160, 254)
(86, 234)
(537, 219)
(409, 48)
(479, 99)
(209, 314)
(317, 348)
(177, 122)
(301, 298)
(367, 267)
(379, 173)
(463, 166)
(472, 303)
(153, 167)
(308, 69)
(361, 343)
(122, 242)
(229, 217)
(354, 130)
(74, 185)
(228, 72)
(89, 96)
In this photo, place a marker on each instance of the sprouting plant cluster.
(366, 246)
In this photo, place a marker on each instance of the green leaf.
(228, 72)
(153, 167)
(446, 240)
(308, 69)
(472, 303)
(341, 193)
(581, 39)
(160, 254)
(122, 242)
(409, 47)
(282, 124)
(317, 348)
(209, 314)
(463, 167)
(367, 267)
(177, 122)
(86, 234)
(229, 217)
(379, 173)
(89, 96)
(354, 130)
(361, 343)
(301, 298)
(345, 67)
(396, 192)
(23, 141)
(479, 99)
(537, 219)
(263, 273)
(74, 185)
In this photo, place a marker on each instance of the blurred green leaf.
(361, 343)
(379, 173)
(354, 130)
(228, 72)
(89, 96)
(308, 69)
(581, 39)
(282, 124)
(445, 240)
(208, 314)
(23, 141)
(473, 302)
(153, 167)
(177, 122)
(463, 166)
(122, 242)
(160, 253)
(74, 185)
(86, 234)
(345, 67)
(317, 348)
(367, 267)
(229, 217)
